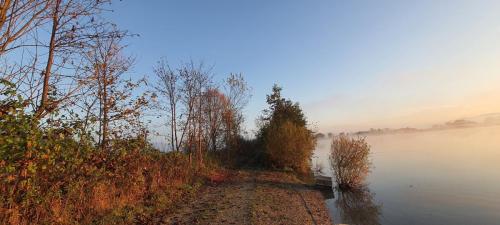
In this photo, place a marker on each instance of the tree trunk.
(105, 119)
(50, 61)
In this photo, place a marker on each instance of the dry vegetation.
(349, 159)
(75, 130)
(108, 186)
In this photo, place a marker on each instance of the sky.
(351, 65)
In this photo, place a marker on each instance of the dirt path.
(253, 197)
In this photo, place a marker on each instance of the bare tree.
(202, 84)
(113, 102)
(188, 99)
(349, 159)
(238, 93)
(52, 34)
(168, 87)
(200, 116)
(17, 19)
(73, 27)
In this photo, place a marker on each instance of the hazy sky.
(351, 64)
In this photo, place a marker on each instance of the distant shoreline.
(416, 130)
(407, 130)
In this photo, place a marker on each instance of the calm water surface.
(435, 178)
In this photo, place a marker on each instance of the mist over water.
(436, 177)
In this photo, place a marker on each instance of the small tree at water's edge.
(349, 160)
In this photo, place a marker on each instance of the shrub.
(289, 145)
(53, 175)
(349, 159)
(67, 188)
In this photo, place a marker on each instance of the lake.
(434, 178)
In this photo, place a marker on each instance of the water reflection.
(432, 178)
(357, 207)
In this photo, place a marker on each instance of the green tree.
(281, 109)
(284, 136)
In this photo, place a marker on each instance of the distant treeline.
(487, 120)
